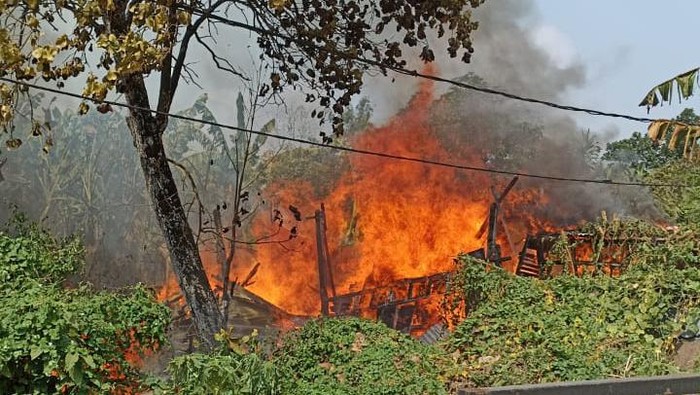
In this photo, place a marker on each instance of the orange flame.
(387, 219)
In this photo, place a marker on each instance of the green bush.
(56, 340)
(325, 356)
(521, 330)
(356, 356)
(223, 374)
(680, 203)
(33, 254)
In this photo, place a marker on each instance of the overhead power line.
(415, 73)
(350, 149)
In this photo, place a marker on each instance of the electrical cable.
(350, 149)
(415, 73)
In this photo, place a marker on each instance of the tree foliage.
(321, 167)
(74, 182)
(680, 203)
(315, 44)
(217, 165)
(89, 182)
(638, 154)
(356, 119)
(677, 135)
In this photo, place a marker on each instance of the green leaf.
(261, 139)
(76, 374)
(71, 359)
(684, 82)
(35, 352)
(666, 91)
(650, 99)
(240, 111)
(89, 361)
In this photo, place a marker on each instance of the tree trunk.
(187, 266)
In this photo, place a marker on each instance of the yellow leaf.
(33, 4)
(184, 17)
(111, 76)
(657, 129)
(277, 4)
(677, 132)
(32, 22)
(686, 146)
(62, 42)
(37, 53)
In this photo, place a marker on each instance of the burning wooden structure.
(411, 305)
(584, 252)
(406, 304)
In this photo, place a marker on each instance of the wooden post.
(225, 263)
(329, 266)
(493, 252)
(322, 258)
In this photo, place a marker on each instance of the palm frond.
(685, 85)
(673, 132)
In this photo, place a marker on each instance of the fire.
(387, 219)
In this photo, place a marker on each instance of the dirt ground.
(687, 355)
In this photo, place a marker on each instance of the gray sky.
(621, 47)
(626, 47)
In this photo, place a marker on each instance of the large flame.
(387, 219)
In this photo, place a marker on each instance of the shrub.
(356, 356)
(680, 203)
(223, 374)
(523, 330)
(56, 340)
(33, 254)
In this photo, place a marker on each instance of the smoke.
(514, 53)
(505, 55)
(508, 56)
(474, 128)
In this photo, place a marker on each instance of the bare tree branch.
(220, 62)
(164, 103)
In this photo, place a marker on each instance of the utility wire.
(349, 149)
(415, 73)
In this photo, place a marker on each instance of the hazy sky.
(626, 47)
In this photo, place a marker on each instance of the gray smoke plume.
(514, 135)
(477, 129)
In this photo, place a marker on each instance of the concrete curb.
(662, 385)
